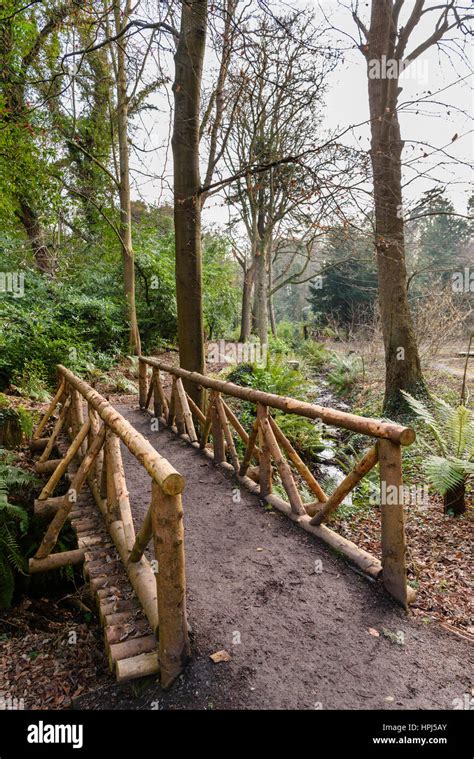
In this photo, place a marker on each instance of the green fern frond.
(443, 474)
(14, 512)
(11, 549)
(427, 417)
(7, 583)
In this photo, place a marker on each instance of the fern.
(13, 523)
(452, 428)
(7, 582)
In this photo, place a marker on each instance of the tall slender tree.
(121, 19)
(384, 44)
(189, 57)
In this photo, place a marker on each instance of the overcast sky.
(346, 104)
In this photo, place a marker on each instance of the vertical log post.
(77, 416)
(168, 539)
(159, 397)
(113, 512)
(179, 413)
(120, 492)
(95, 427)
(393, 521)
(217, 431)
(149, 392)
(172, 405)
(157, 407)
(186, 411)
(206, 427)
(265, 458)
(142, 383)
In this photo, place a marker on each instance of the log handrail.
(159, 469)
(275, 450)
(95, 444)
(397, 433)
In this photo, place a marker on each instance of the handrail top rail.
(397, 433)
(159, 468)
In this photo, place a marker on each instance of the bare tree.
(385, 45)
(278, 84)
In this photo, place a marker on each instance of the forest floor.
(297, 638)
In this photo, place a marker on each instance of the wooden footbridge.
(142, 601)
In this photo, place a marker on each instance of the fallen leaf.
(220, 656)
(374, 632)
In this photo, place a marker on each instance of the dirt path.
(304, 640)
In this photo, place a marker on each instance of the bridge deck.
(297, 637)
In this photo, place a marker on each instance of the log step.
(47, 467)
(125, 617)
(56, 560)
(142, 665)
(132, 647)
(124, 631)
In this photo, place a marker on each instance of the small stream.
(328, 471)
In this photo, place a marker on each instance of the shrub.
(345, 372)
(314, 355)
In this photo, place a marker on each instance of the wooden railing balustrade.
(96, 430)
(266, 443)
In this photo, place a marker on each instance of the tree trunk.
(271, 310)
(43, 255)
(246, 316)
(261, 295)
(402, 363)
(261, 287)
(187, 201)
(455, 500)
(124, 189)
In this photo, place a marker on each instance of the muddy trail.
(297, 621)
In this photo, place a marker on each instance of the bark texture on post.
(393, 521)
(265, 463)
(189, 58)
(168, 539)
(218, 441)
